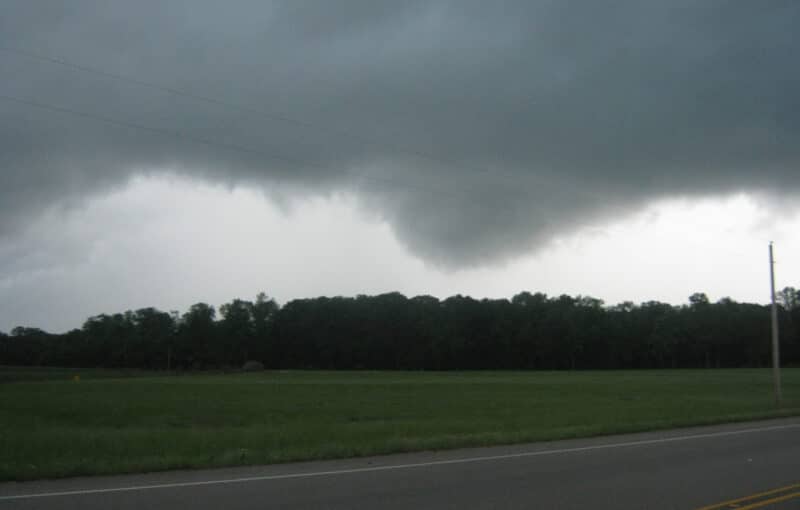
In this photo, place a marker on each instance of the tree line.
(391, 331)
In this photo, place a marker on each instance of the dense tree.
(196, 345)
(391, 331)
(154, 336)
(264, 312)
(789, 298)
(237, 332)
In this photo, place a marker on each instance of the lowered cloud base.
(474, 134)
(171, 242)
(477, 130)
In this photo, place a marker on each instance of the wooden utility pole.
(776, 357)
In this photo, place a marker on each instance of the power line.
(277, 117)
(243, 109)
(234, 147)
(163, 131)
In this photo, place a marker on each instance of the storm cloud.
(478, 130)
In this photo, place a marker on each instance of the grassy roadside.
(59, 427)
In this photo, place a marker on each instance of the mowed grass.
(59, 427)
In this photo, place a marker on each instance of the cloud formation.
(478, 130)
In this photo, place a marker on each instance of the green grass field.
(59, 427)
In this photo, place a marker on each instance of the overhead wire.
(234, 147)
(252, 111)
(275, 116)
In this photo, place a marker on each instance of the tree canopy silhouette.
(391, 331)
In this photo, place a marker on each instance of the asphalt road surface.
(743, 466)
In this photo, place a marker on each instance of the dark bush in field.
(253, 366)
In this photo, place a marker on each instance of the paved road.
(683, 469)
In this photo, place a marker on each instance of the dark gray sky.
(477, 131)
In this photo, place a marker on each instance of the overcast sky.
(163, 153)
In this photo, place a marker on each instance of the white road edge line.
(467, 460)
